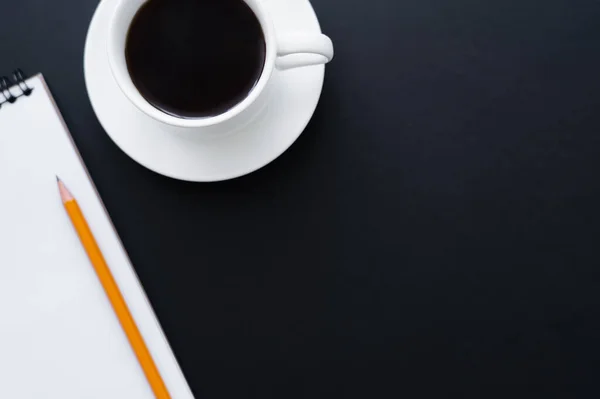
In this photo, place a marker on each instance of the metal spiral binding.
(12, 89)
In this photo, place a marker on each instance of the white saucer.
(199, 157)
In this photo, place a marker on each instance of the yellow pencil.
(114, 295)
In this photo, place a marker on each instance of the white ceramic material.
(233, 148)
(317, 46)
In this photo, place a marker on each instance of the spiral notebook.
(59, 338)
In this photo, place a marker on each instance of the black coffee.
(195, 58)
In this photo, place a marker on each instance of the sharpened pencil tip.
(65, 194)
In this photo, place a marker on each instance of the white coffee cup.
(315, 49)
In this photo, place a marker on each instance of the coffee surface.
(195, 58)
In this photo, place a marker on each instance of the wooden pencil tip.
(65, 194)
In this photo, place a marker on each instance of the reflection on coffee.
(195, 58)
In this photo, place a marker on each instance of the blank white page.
(59, 338)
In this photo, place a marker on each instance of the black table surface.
(433, 231)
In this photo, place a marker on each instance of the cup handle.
(298, 50)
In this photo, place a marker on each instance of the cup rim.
(118, 67)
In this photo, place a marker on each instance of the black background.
(433, 231)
